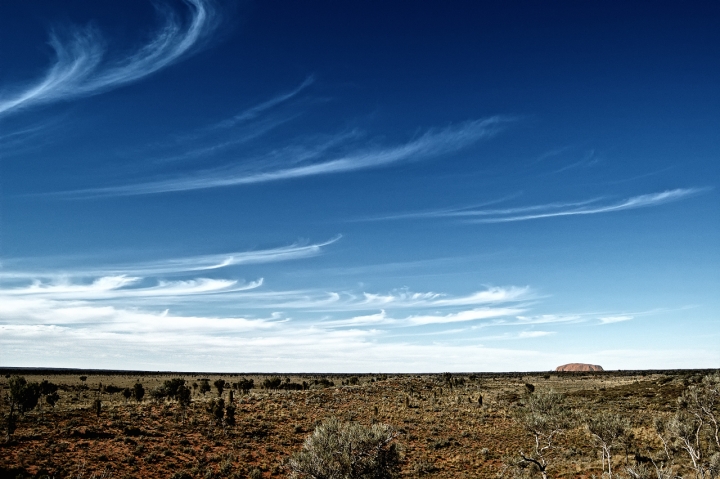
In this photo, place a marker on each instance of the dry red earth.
(443, 431)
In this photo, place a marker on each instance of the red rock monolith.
(578, 367)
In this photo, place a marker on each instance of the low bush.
(346, 450)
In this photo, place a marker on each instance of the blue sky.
(378, 186)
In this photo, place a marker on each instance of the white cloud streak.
(432, 143)
(99, 319)
(255, 111)
(80, 68)
(190, 264)
(230, 133)
(382, 318)
(344, 301)
(462, 316)
(552, 210)
(210, 262)
(615, 319)
(641, 201)
(116, 287)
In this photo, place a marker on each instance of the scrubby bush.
(172, 389)
(204, 386)
(277, 383)
(47, 387)
(158, 393)
(608, 431)
(183, 395)
(545, 417)
(220, 386)
(340, 450)
(216, 408)
(138, 392)
(245, 385)
(324, 383)
(694, 429)
(272, 383)
(230, 415)
(22, 397)
(172, 386)
(52, 399)
(49, 390)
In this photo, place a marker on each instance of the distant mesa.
(579, 367)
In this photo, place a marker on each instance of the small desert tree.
(544, 417)
(49, 391)
(608, 431)
(703, 402)
(694, 427)
(22, 397)
(230, 414)
(337, 450)
(52, 399)
(216, 408)
(245, 385)
(183, 395)
(220, 386)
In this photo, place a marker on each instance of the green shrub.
(340, 450)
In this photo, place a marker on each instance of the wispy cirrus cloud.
(184, 265)
(551, 210)
(615, 319)
(216, 261)
(346, 301)
(98, 319)
(223, 136)
(124, 287)
(82, 69)
(382, 318)
(462, 316)
(289, 166)
(254, 112)
(410, 299)
(515, 336)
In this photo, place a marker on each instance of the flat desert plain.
(448, 425)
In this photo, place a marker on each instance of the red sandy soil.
(443, 431)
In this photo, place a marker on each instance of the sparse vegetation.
(620, 425)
